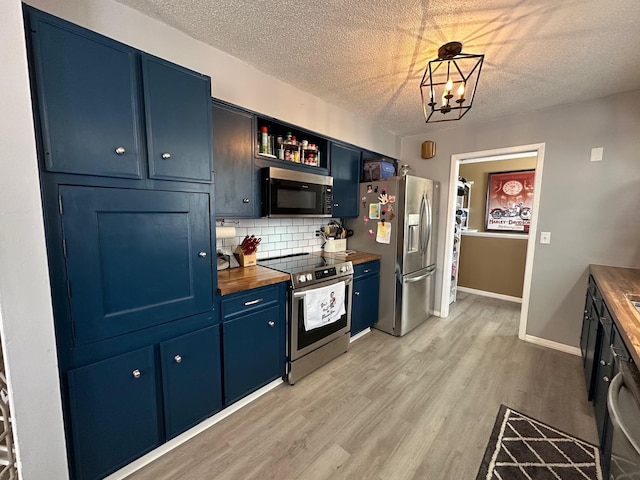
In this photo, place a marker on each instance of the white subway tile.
(303, 243)
(281, 229)
(310, 221)
(303, 229)
(286, 251)
(247, 222)
(267, 230)
(274, 238)
(274, 253)
(293, 243)
(286, 237)
(241, 231)
(297, 221)
(292, 229)
(298, 236)
(286, 221)
(274, 222)
(297, 250)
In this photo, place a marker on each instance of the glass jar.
(404, 169)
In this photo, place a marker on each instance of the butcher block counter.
(234, 280)
(614, 283)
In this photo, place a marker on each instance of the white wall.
(232, 80)
(26, 319)
(591, 209)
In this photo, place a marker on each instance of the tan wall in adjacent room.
(477, 173)
(492, 264)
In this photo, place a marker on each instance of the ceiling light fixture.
(442, 76)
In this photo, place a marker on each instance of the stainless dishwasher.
(623, 403)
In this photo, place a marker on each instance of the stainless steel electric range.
(310, 346)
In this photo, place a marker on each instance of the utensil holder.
(335, 245)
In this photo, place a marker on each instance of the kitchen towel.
(324, 305)
(225, 232)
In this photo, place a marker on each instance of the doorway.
(490, 155)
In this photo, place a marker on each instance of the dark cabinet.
(253, 340)
(96, 96)
(366, 291)
(87, 88)
(602, 350)
(345, 170)
(115, 404)
(233, 158)
(114, 412)
(178, 121)
(191, 379)
(134, 258)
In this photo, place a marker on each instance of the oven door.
(303, 341)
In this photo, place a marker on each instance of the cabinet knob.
(271, 323)
(356, 293)
(336, 204)
(606, 379)
(178, 358)
(603, 363)
(166, 156)
(120, 150)
(136, 373)
(367, 270)
(202, 254)
(245, 200)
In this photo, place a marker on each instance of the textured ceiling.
(368, 56)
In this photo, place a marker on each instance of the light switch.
(596, 154)
(545, 237)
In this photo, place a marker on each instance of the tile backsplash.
(280, 236)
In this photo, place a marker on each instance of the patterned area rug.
(521, 448)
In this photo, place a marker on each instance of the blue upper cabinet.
(135, 258)
(96, 96)
(345, 170)
(178, 116)
(88, 101)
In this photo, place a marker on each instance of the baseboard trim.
(484, 293)
(189, 434)
(543, 342)
(359, 335)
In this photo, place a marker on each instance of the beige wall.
(492, 264)
(477, 173)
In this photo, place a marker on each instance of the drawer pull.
(356, 293)
(178, 359)
(271, 323)
(136, 373)
(253, 302)
(606, 379)
(120, 151)
(166, 156)
(202, 254)
(245, 200)
(367, 270)
(620, 354)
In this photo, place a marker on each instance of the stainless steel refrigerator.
(397, 220)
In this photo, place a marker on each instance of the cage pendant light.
(449, 83)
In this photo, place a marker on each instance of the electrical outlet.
(545, 237)
(596, 154)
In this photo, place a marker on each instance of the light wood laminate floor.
(416, 407)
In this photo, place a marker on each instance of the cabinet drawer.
(250, 300)
(368, 268)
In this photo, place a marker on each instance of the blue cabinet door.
(253, 352)
(135, 258)
(87, 99)
(178, 115)
(364, 312)
(191, 379)
(114, 414)
(233, 161)
(345, 170)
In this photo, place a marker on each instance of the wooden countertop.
(234, 280)
(353, 256)
(613, 283)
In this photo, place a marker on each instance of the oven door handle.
(347, 281)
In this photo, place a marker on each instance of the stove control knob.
(302, 278)
(343, 269)
(309, 277)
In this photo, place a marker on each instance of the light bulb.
(449, 86)
(461, 90)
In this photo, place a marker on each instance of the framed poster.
(509, 201)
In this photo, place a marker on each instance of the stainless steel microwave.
(289, 193)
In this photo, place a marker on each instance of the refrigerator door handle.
(422, 225)
(428, 225)
(421, 277)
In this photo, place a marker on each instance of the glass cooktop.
(300, 262)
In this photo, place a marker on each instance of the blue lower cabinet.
(253, 351)
(366, 291)
(191, 379)
(114, 412)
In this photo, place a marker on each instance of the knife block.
(245, 260)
